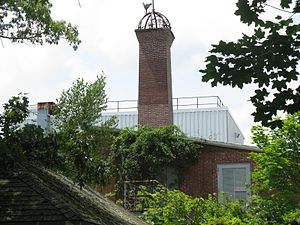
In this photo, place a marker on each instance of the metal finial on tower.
(153, 20)
(153, 6)
(146, 6)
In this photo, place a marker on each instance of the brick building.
(220, 168)
(223, 165)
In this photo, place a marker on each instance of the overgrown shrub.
(176, 208)
(173, 207)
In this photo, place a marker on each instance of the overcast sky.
(109, 44)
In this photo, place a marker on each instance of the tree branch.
(19, 38)
(282, 10)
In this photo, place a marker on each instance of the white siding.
(235, 135)
(215, 124)
(208, 124)
(125, 119)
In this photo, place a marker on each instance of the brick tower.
(155, 37)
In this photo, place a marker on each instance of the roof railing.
(178, 103)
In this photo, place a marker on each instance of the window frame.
(220, 167)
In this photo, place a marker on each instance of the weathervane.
(147, 5)
(153, 20)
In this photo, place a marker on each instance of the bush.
(176, 208)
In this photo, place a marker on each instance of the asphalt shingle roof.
(31, 195)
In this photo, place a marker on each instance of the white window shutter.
(233, 180)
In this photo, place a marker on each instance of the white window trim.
(233, 166)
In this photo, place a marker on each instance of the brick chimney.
(155, 37)
(44, 110)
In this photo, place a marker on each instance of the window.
(233, 180)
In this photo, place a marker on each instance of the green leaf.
(31, 21)
(285, 3)
(268, 57)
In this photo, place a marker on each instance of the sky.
(109, 46)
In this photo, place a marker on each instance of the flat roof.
(227, 145)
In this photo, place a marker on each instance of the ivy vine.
(140, 153)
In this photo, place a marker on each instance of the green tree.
(39, 147)
(276, 180)
(19, 141)
(31, 21)
(15, 112)
(82, 138)
(268, 58)
(76, 149)
(277, 175)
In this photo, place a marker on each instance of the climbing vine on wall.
(141, 152)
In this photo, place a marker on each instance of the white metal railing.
(132, 105)
(178, 103)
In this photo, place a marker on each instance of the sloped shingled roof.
(31, 195)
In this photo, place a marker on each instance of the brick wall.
(200, 178)
(155, 83)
